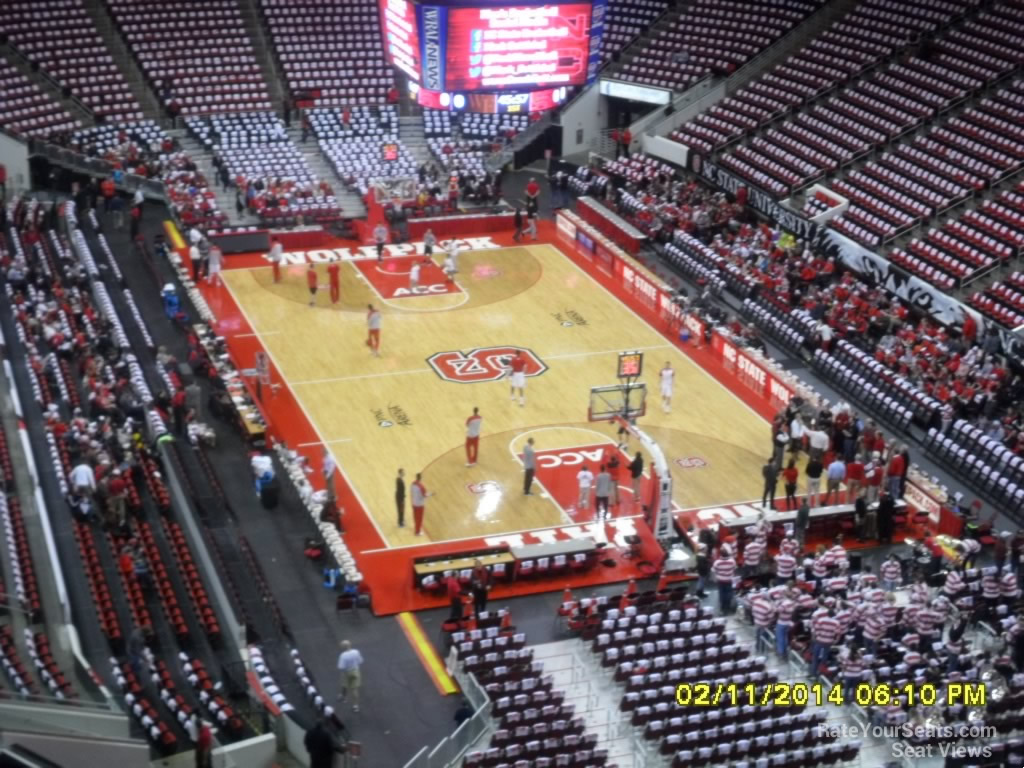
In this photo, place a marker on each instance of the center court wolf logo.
(484, 364)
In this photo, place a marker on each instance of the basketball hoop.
(617, 401)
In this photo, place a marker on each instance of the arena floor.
(441, 349)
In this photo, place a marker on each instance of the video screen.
(401, 41)
(517, 47)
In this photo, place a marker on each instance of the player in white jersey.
(667, 378)
(414, 276)
(517, 377)
(453, 253)
(373, 329)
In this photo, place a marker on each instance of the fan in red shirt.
(311, 281)
(333, 275)
(532, 195)
(854, 478)
(117, 490)
(454, 590)
(895, 471)
(517, 377)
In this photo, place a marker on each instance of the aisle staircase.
(262, 46)
(352, 205)
(125, 61)
(204, 162)
(46, 84)
(596, 698)
(410, 131)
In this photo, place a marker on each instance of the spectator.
(602, 493)
(320, 745)
(895, 472)
(531, 224)
(852, 670)
(380, 237)
(480, 585)
(836, 475)
(824, 634)
(454, 590)
(83, 480)
(873, 472)
(753, 552)
(886, 510)
(813, 470)
(532, 196)
(135, 216)
(350, 663)
(891, 573)
(636, 473)
(724, 570)
(770, 475)
(790, 476)
(818, 443)
(763, 612)
(785, 610)
(463, 713)
(854, 478)
(703, 569)
(803, 519)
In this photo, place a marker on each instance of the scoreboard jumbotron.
(493, 57)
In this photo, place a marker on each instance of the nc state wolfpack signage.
(485, 364)
(759, 200)
(324, 255)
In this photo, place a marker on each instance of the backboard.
(608, 402)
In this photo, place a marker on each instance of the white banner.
(920, 295)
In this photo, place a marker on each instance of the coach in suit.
(400, 497)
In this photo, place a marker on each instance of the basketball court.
(444, 349)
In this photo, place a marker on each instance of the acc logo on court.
(420, 290)
(485, 364)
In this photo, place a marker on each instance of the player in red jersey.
(333, 273)
(311, 281)
(473, 424)
(517, 377)
(373, 326)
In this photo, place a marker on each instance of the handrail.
(50, 79)
(521, 140)
(778, 51)
(19, 137)
(153, 188)
(694, 93)
(669, 9)
(448, 752)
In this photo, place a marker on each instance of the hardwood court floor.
(378, 414)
